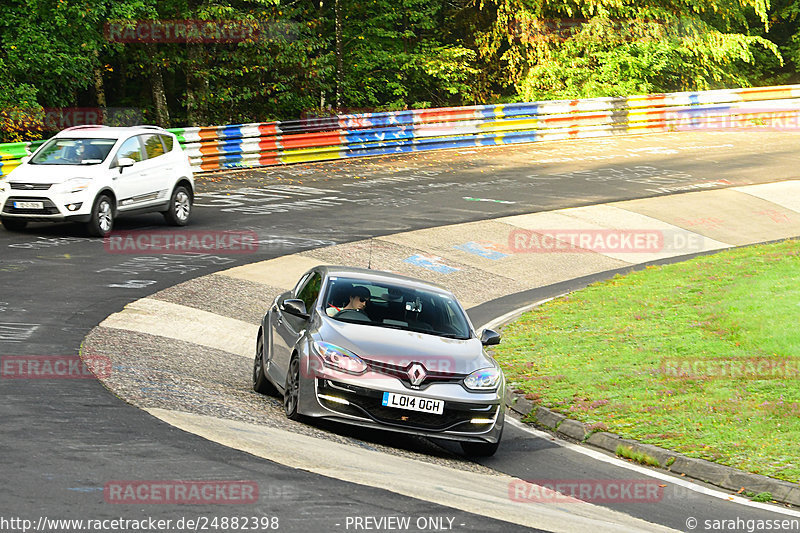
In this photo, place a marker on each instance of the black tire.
(14, 224)
(479, 449)
(180, 207)
(102, 221)
(261, 384)
(291, 395)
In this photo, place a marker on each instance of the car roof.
(378, 276)
(108, 132)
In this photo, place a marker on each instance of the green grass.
(640, 457)
(642, 354)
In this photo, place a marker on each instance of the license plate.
(413, 403)
(29, 205)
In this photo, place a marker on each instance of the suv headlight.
(485, 379)
(339, 358)
(76, 185)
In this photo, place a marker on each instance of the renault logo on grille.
(416, 374)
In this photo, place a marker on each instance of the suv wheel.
(180, 207)
(14, 224)
(102, 220)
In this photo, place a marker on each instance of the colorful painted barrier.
(370, 134)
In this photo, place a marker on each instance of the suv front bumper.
(52, 208)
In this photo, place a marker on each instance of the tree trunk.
(159, 97)
(339, 56)
(194, 86)
(99, 88)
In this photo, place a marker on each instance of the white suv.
(91, 174)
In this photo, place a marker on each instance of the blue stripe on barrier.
(230, 132)
(231, 146)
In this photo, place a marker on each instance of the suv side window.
(310, 290)
(153, 146)
(167, 140)
(130, 148)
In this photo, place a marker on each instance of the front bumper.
(357, 400)
(53, 207)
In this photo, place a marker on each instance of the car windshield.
(395, 306)
(62, 151)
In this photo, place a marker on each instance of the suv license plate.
(413, 403)
(29, 205)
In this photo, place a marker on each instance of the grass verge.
(702, 357)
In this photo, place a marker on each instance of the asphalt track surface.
(63, 440)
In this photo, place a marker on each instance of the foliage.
(392, 54)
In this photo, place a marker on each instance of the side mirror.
(490, 337)
(25, 159)
(296, 308)
(125, 162)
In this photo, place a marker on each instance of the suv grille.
(48, 207)
(30, 186)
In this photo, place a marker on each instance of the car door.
(286, 329)
(160, 167)
(131, 183)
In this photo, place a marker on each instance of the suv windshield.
(395, 306)
(62, 151)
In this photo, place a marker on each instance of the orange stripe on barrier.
(209, 165)
(208, 148)
(311, 140)
(774, 93)
(207, 133)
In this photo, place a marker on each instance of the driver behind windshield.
(356, 300)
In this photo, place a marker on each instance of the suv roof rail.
(150, 127)
(85, 127)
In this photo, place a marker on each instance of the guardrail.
(343, 136)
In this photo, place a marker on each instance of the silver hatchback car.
(380, 350)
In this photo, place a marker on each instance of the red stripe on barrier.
(268, 128)
(269, 158)
(446, 114)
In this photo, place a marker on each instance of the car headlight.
(339, 358)
(484, 379)
(76, 185)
